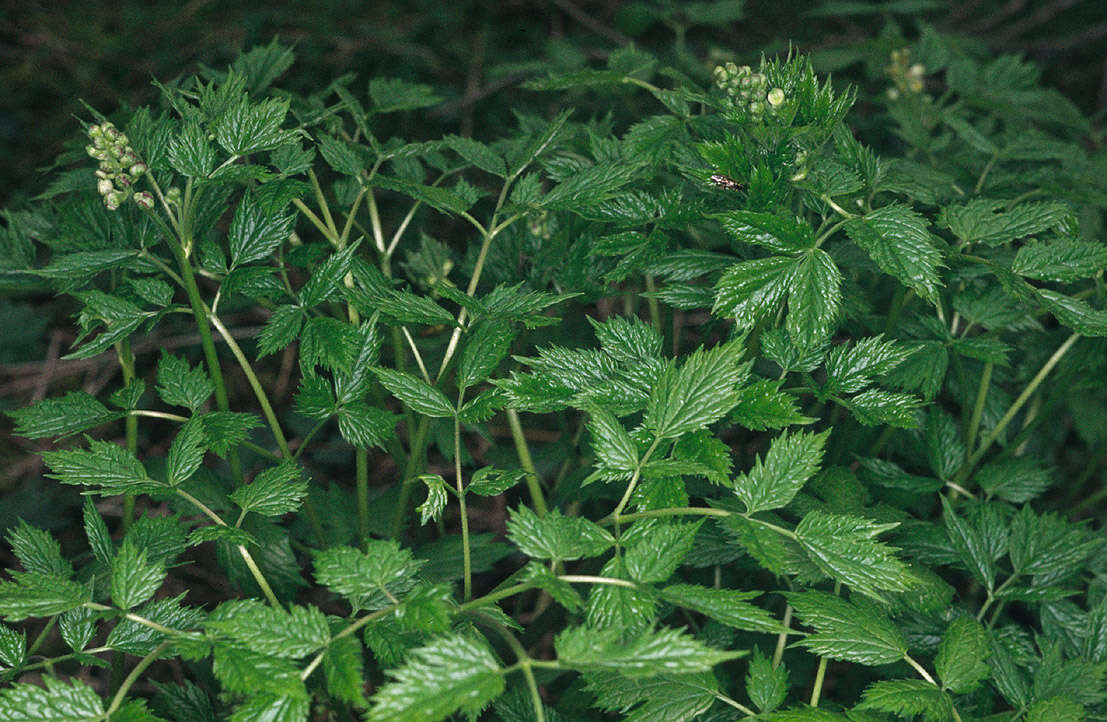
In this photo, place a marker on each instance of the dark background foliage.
(54, 55)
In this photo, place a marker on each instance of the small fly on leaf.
(726, 182)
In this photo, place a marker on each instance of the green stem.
(820, 676)
(634, 481)
(417, 445)
(255, 571)
(143, 663)
(466, 553)
(211, 356)
(782, 638)
(1015, 407)
(130, 423)
(537, 499)
(978, 408)
(673, 511)
(361, 461)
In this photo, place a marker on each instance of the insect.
(726, 182)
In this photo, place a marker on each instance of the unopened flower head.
(144, 200)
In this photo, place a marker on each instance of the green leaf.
(326, 278)
(251, 673)
(134, 578)
(390, 95)
(590, 186)
(877, 407)
(792, 459)
(292, 634)
(365, 426)
(945, 449)
(275, 491)
(182, 385)
(962, 658)
(616, 453)
(1056, 709)
(97, 532)
(190, 153)
(813, 298)
(329, 342)
(1048, 545)
(848, 631)
(538, 575)
(853, 368)
(57, 702)
(767, 686)
(698, 394)
(1061, 260)
(844, 547)
(655, 556)
(268, 707)
(908, 698)
(364, 577)
(780, 234)
(415, 393)
(762, 405)
(726, 606)
(450, 674)
(970, 546)
(1017, 480)
(112, 468)
(70, 414)
(435, 504)
(897, 240)
(555, 536)
(141, 639)
(477, 153)
(33, 594)
(664, 698)
(186, 453)
(984, 220)
(254, 234)
(753, 290)
(486, 345)
(1075, 313)
(648, 654)
(248, 127)
(489, 481)
(314, 398)
(281, 329)
(345, 157)
(38, 551)
(227, 429)
(343, 669)
(441, 199)
(539, 144)
(13, 647)
(399, 306)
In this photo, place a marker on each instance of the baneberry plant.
(651, 419)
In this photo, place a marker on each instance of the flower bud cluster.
(748, 90)
(799, 164)
(907, 76)
(119, 167)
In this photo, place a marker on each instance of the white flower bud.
(104, 186)
(138, 169)
(173, 195)
(144, 200)
(114, 199)
(776, 97)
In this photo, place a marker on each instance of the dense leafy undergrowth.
(709, 413)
